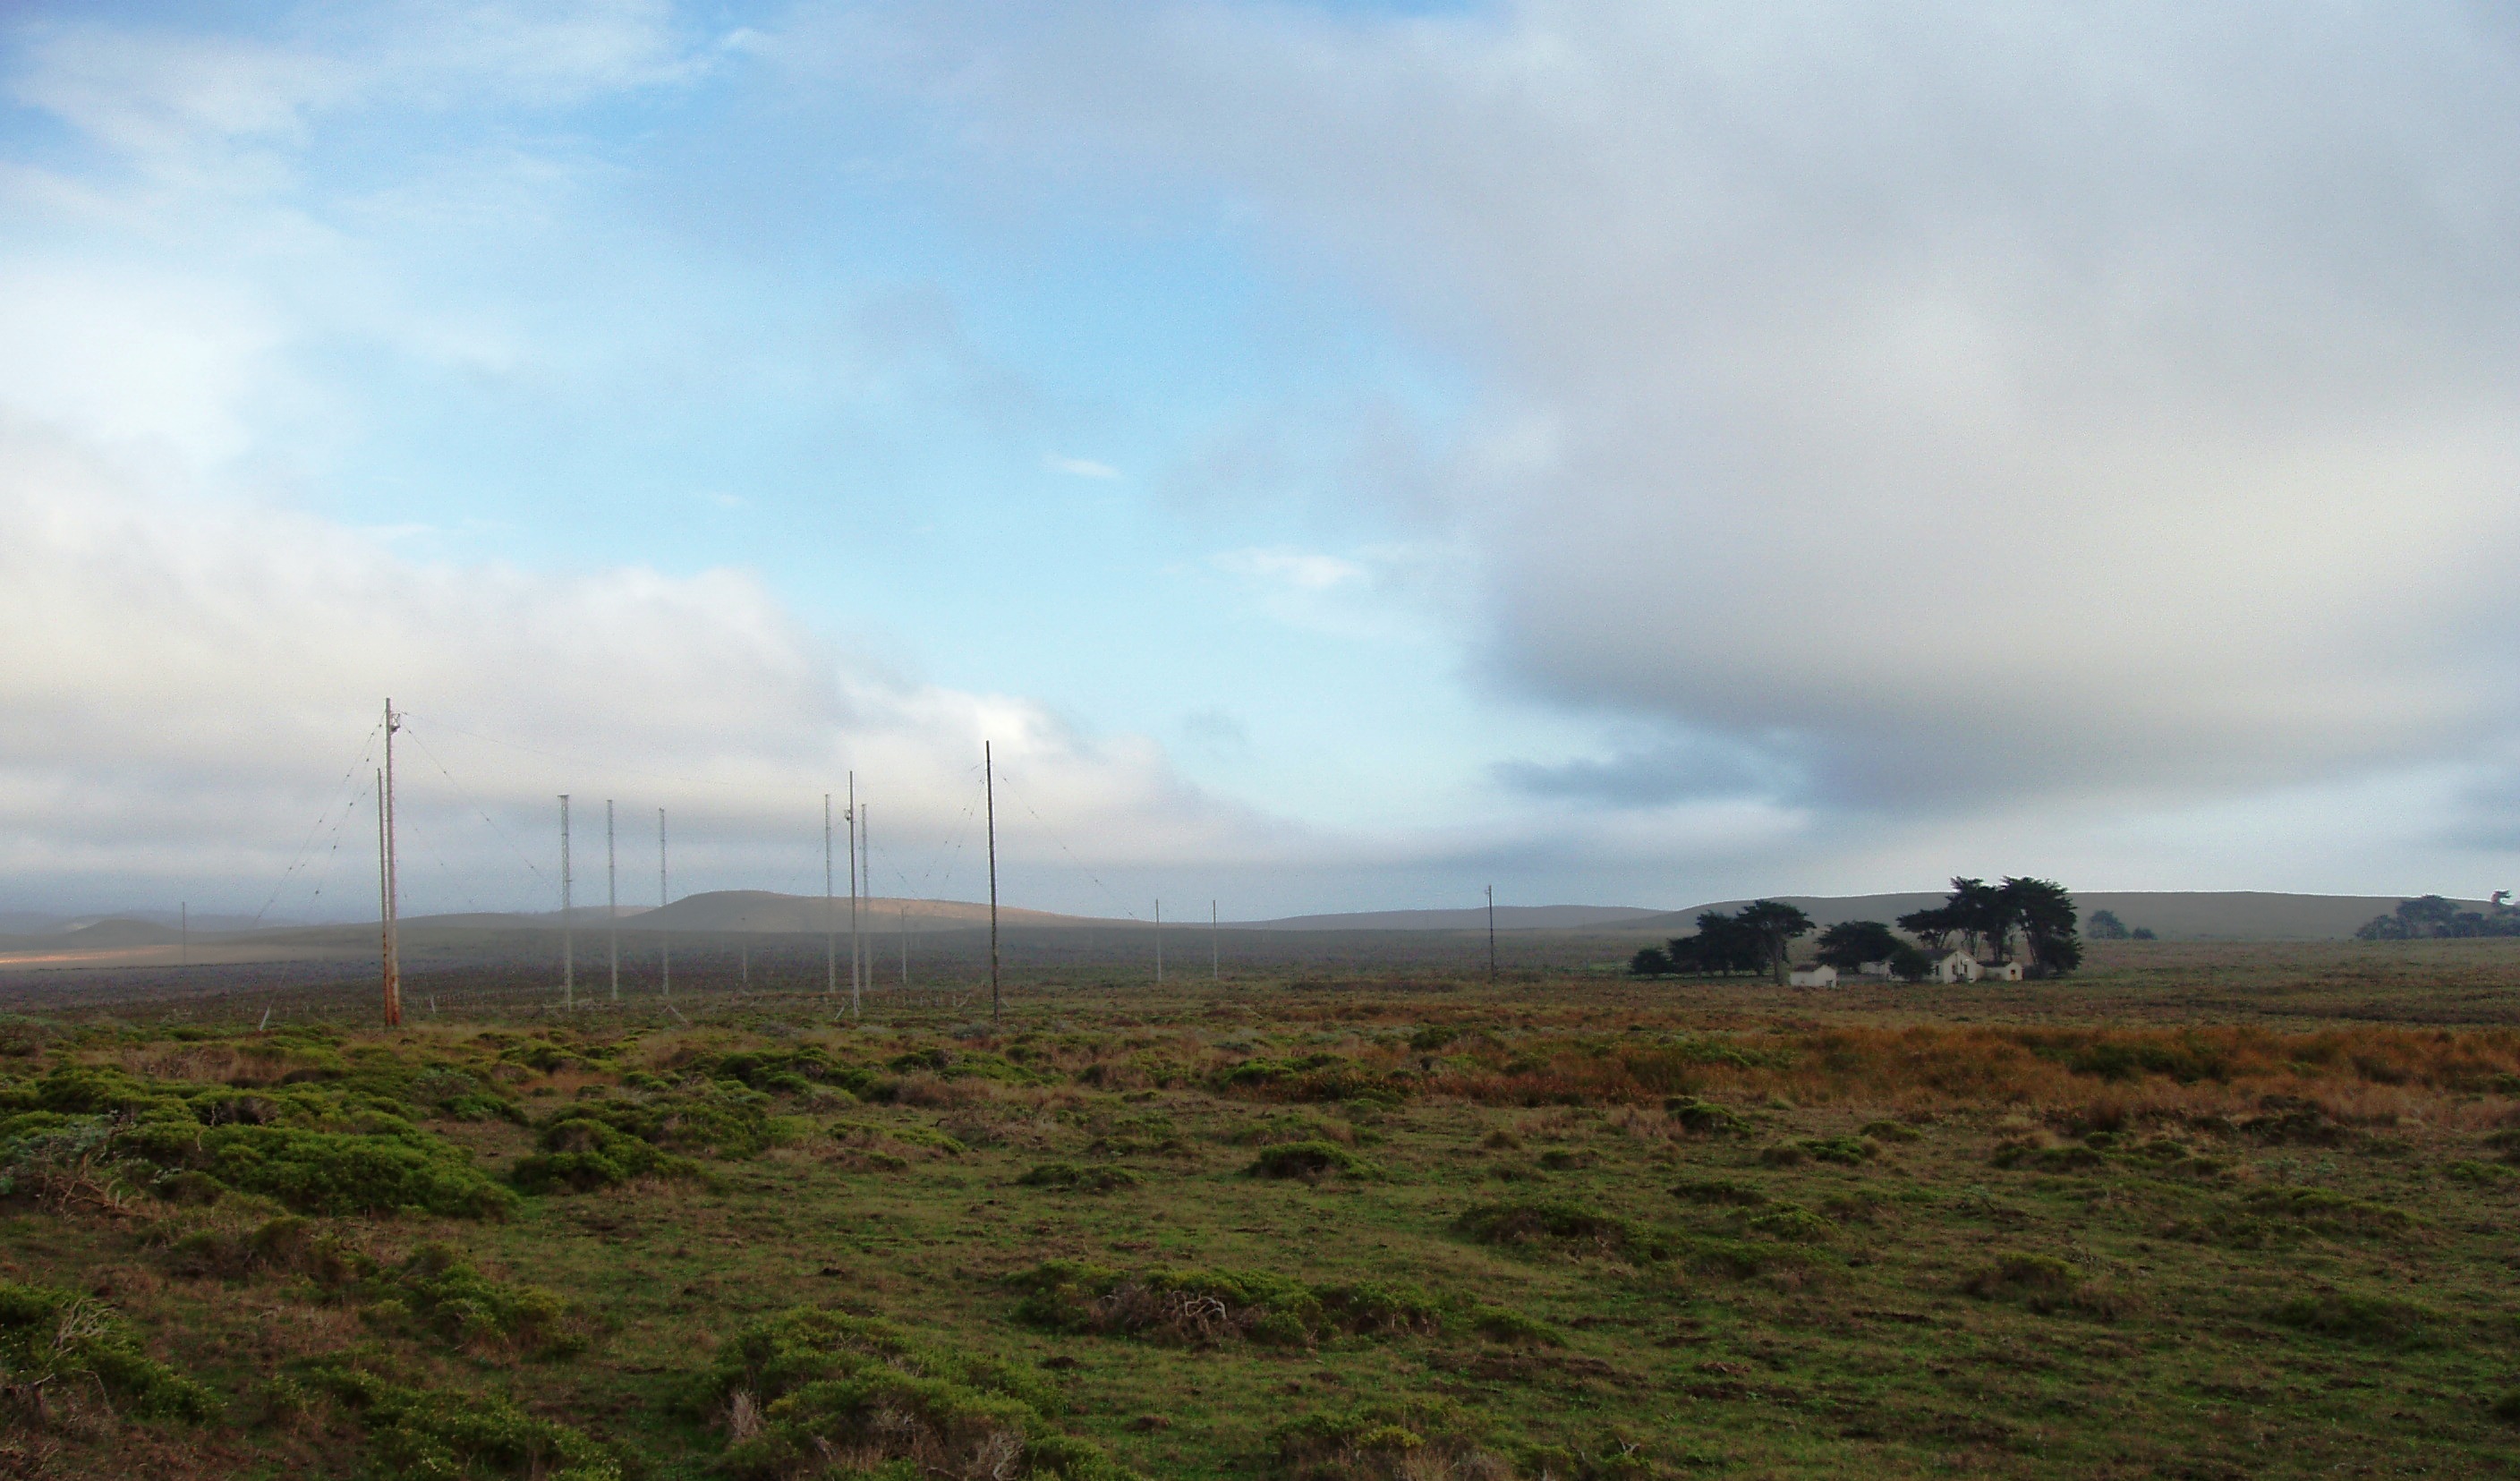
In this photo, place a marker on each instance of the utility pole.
(567, 934)
(184, 951)
(664, 897)
(392, 932)
(830, 930)
(612, 904)
(857, 953)
(1491, 934)
(1160, 943)
(989, 785)
(1215, 955)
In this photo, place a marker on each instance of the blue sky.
(1340, 455)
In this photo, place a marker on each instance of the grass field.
(2207, 1211)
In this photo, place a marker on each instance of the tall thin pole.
(905, 945)
(830, 936)
(1160, 943)
(1215, 955)
(384, 900)
(857, 953)
(184, 951)
(989, 782)
(567, 932)
(393, 882)
(664, 897)
(1491, 934)
(612, 904)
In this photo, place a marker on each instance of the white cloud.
(192, 671)
(1082, 468)
(1282, 566)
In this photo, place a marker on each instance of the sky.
(1334, 456)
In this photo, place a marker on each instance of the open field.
(2204, 1211)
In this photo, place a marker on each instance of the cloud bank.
(1964, 409)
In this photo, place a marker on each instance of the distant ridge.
(1523, 918)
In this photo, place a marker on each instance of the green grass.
(1437, 1232)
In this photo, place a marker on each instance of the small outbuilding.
(1823, 975)
(2005, 971)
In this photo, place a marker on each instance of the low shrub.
(1845, 1150)
(1890, 1130)
(1572, 1228)
(290, 1244)
(2041, 1283)
(1792, 1223)
(435, 1433)
(1203, 1307)
(434, 1291)
(1428, 1437)
(581, 1153)
(2330, 1213)
(394, 1167)
(2372, 1321)
(723, 1121)
(1308, 1159)
(1704, 1117)
(1718, 1191)
(813, 1391)
(1089, 1178)
(1512, 1328)
(54, 1344)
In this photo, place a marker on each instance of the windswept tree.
(1773, 925)
(1849, 944)
(2105, 925)
(1723, 944)
(1652, 961)
(1934, 926)
(2046, 916)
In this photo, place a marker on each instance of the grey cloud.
(2007, 403)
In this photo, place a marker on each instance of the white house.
(1880, 968)
(1813, 977)
(1956, 966)
(2005, 971)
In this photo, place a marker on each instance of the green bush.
(1718, 1191)
(582, 1153)
(1845, 1150)
(53, 1341)
(393, 1168)
(2373, 1320)
(1573, 1228)
(1197, 1306)
(1426, 1437)
(436, 1433)
(1705, 1118)
(1792, 1223)
(725, 1120)
(812, 1383)
(450, 1299)
(1889, 1131)
(1308, 1159)
(1085, 1179)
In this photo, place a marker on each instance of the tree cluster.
(2036, 914)
(1756, 939)
(2431, 917)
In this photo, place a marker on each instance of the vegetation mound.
(435, 1432)
(1201, 1307)
(1571, 1228)
(1308, 1159)
(817, 1391)
(56, 1343)
(1085, 1177)
(1400, 1442)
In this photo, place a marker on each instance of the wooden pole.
(1491, 934)
(831, 929)
(393, 931)
(1160, 943)
(612, 904)
(567, 931)
(989, 783)
(1215, 955)
(857, 951)
(664, 897)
